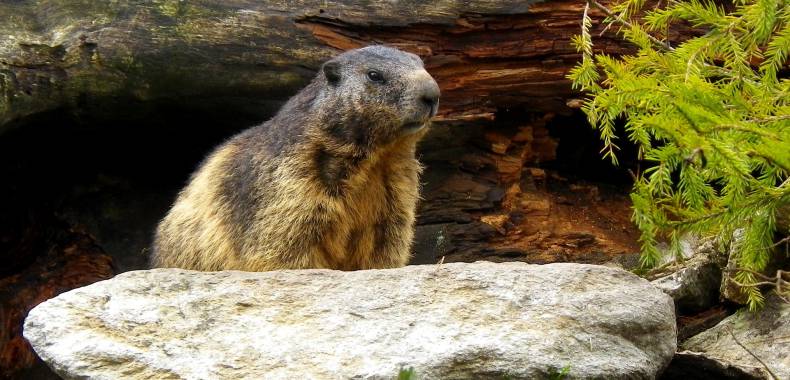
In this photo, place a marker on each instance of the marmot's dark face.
(377, 94)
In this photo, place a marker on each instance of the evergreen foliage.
(711, 116)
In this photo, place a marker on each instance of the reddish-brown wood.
(485, 197)
(486, 54)
(62, 259)
(486, 62)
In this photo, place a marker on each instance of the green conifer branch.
(713, 125)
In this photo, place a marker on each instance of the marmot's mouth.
(414, 126)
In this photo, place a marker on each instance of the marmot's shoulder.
(287, 128)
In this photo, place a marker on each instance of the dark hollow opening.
(116, 178)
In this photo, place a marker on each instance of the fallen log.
(91, 58)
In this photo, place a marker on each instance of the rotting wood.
(87, 58)
(54, 258)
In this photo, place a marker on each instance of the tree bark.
(59, 258)
(87, 57)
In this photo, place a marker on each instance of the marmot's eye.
(375, 76)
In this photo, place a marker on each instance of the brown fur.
(330, 182)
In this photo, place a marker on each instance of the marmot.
(331, 181)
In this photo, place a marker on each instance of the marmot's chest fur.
(377, 197)
(330, 182)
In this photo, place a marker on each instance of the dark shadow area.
(80, 200)
(579, 145)
(114, 178)
(106, 183)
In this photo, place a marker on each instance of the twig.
(773, 375)
(761, 283)
(778, 243)
(661, 270)
(586, 24)
(779, 273)
(605, 29)
(770, 118)
(778, 281)
(634, 176)
(439, 265)
(665, 46)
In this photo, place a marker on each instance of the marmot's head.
(375, 95)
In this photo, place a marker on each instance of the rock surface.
(687, 365)
(695, 286)
(764, 333)
(453, 321)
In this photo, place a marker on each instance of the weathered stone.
(764, 333)
(731, 290)
(688, 365)
(690, 246)
(695, 286)
(452, 321)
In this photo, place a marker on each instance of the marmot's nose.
(430, 96)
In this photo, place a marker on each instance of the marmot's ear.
(332, 72)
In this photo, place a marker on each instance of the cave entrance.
(527, 187)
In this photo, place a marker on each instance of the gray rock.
(687, 365)
(695, 286)
(731, 291)
(765, 333)
(690, 246)
(452, 321)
